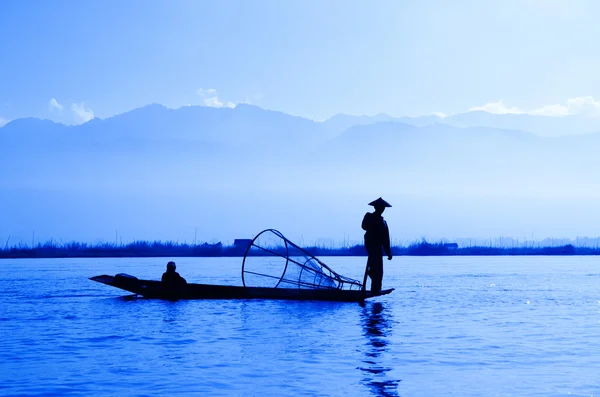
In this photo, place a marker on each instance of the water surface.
(465, 326)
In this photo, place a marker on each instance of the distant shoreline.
(144, 249)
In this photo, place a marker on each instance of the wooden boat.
(153, 289)
(273, 268)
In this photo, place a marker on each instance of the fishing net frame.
(323, 277)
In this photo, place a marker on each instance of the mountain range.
(547, 126)
(157, 173)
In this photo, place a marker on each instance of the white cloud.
(551, 110)
(3, 122)
(54, 104)
(585, 105)
(497, 107)
(82, 113)
(210, 98)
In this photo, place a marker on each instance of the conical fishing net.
(273, 261)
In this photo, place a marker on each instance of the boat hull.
(153, 289)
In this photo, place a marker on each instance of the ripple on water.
(454, 326)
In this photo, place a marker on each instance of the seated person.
(171, 279)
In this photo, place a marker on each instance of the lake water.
(464, 326)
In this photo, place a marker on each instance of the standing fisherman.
(377, 241)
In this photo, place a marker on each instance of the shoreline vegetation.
(145, 249)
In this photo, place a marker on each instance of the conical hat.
(380, 203)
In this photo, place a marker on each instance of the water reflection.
(376, 322)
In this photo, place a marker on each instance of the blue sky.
(72, 60)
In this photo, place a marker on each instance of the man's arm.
(386, 241)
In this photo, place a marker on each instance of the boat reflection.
(377, 328)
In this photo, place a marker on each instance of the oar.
(364, 286)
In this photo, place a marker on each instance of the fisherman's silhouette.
(377, 329)
(173, 284)
(377, 241)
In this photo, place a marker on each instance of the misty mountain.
(341, 122)
(158, 173)
(150, 143)
(550, 126)
(205, 124)
(540, 125)
(32, 131)
(156, 123)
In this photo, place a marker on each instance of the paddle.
(364, 285)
